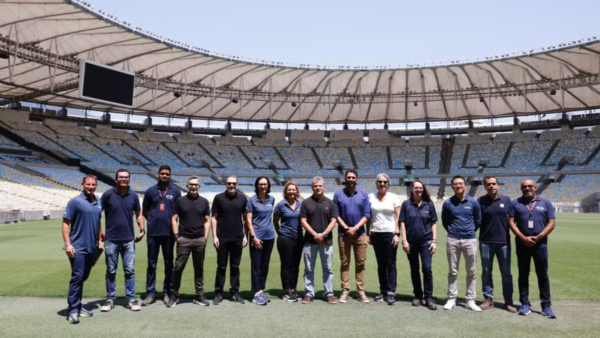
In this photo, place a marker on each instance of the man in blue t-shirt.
(354, 212)
(157, 208)
(494, 240)
(119, 205)
(461, 217)
(81, 230)
(531, 218)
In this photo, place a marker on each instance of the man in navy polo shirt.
(461, 216)
(119, 205)
(494, 240)
(354, 212)
(81, 230)
(532, 220)
(157, 208)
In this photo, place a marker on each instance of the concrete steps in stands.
(507, 154)
(287, 166)
(592, 155)
(166, 145)
(352, 157)
(465, 159)
(549, 154)
(141, 153)
(317, 157)
(102, 150)
(246, 157)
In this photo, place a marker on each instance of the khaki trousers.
(359, 244)
(468, 248)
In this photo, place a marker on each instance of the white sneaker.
(450, 304)
(134, 305)
(109, 305)
(472, 306)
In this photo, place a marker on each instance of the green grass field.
(32, 264)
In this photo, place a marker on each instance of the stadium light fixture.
(553, 92)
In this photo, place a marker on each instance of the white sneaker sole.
(449, 308)
(525, 314)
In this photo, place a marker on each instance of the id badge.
(530, 224)
(162, 207)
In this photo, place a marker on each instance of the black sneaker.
(73, 318)
(148, 301)
(290, 297)
(218, 299)
(237, 298)
(390, 299)
(378, 298)
(172, 301)
(297, 295)
(200, 300)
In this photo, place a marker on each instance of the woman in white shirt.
(384, 236)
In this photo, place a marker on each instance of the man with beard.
(228, 211)
(354, 212)
(193, 213)
(157, 208)
(531, 218)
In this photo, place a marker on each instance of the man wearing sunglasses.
(531, 218)
(119, 205)
(228, 211)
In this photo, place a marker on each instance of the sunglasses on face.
(232, 183)
(382, 182)
(527, 186)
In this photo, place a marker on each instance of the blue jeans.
(502, 251)
(310, 259)
(422, 250)
(81, 265)
(155, 243)
(127, 251)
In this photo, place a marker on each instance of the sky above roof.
(363, 33)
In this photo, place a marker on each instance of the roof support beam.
(372, 97)
(390, 91)
(437, 83)
(422, 78)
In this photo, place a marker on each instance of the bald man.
(531, 218)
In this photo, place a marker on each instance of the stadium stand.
(580, 148)
(71, 178)
(191, 153)
(158, 153)
(118, 149)
(330, 155)
(524, 157)
(573, 188)
(301, 160)
(371, 160)
(260, 155)
(93, 156)
(8, 144)
(229, 156)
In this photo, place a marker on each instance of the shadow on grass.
(91, 306)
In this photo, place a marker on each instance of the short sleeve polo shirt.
(159, 219)
(351, 208)
(262, 216)
(230, 210)
(85, 216)
(542, 212)
(494, 219)
(417, 220)
(318, 214)
(192, 212)
(119, 210)
(290, 219)
(461, 218)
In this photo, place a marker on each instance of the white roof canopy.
(49, 37)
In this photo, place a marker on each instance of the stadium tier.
(527, 155)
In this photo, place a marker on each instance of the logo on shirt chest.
(169, 197)
(539, 208)
(501, 205)
(467, 207)
(425, 212)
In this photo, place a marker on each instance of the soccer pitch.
(32, 264)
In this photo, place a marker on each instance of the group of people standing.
(379, 219)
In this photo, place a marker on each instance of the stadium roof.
(49, 37)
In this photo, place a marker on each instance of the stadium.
(527, 116)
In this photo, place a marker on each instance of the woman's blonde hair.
(290, 182)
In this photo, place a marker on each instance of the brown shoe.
(362, 297)
(307, 299)
(431, 305)
(331, 299)
(488, 303)
(343, 297)
(510, 308)
(416, 302)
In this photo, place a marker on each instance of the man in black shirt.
(191, 235)
(228, 211)
(318, 217)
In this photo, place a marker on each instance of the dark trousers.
(81, 265)
(539, 253)
(290, 254)
(502, 251)
(185, 247)
(259, 264)
(228, 250)
(416, 250)
(155, 244)
(385, 253)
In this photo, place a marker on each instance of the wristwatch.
(143, 231)
(251, 237)
(176, 236)
(540, 236)
(66, 245)
(397, 234)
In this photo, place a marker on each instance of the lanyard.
(531, 209)
(164, 195)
